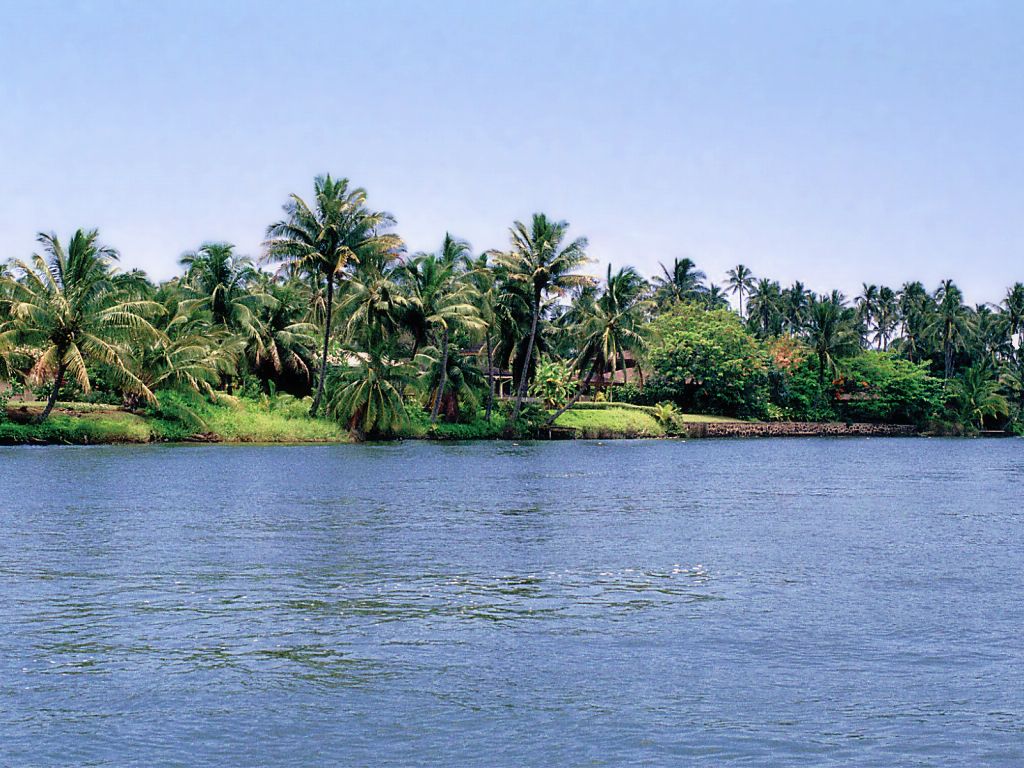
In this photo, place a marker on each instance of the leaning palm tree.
(67, 305)
(322, 239)
(539, 262)
(740, 282)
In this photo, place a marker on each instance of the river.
(795, 602)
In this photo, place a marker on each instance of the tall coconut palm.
(796, 301)
(765, 308)
(484, 281)
(539, 262)
(950, 325)
(915, 310)
(322, 239)
(867, 308)
(887, 313)
(740, 282)
(68, 306)
(680, 282)
(831, 332)
(445, 301)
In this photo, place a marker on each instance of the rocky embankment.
(798, 429)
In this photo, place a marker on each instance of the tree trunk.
(575, 398)
(525, 375)
(490, 376)
(327, 340)
(740, 292)
(52, 400)
(444, 377)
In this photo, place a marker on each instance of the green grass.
(80, 428)
(611, 422)
(180, 418)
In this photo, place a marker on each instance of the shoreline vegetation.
(335, 333)
(261, 423)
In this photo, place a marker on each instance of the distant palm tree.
(538, 261)
(68, 306)
(867, 307)
(1013, 306)
(740, 282)
(321, 240)
(765, 308)
(682, 282)
(831, 333)
(950, 325)
(796, 301)
(714, 297)
(886, 316)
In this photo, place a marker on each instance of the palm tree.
(484, 281)
(714, 297)
(950, 325)
(68, 305)
(915, 310)
(374, 305)
(740, 281)
(445, 300)
(1013, 307)
(831, 333)
(886, 316)
(683, 282)
(539, 262)
(286, 340)
(867, 306)
(321, 240)
(796, 301)
(228, 287)
(367, 397)
(765, 308)
(976, 392)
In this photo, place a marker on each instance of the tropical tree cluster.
(337, 310)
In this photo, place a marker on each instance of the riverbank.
(245, 421)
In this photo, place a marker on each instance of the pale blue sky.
(833, 142)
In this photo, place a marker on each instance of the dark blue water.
(776, 602)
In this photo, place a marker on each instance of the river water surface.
(799, 602)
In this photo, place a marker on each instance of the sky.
(831, 142)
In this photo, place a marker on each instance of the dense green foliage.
(336, 317)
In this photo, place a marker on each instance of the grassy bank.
(622, 420)
(285, 420)
(178, 419)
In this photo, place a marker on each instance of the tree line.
(335, 309)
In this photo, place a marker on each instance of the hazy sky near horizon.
(831, 142)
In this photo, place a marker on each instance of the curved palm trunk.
(490, 377)
(52, 400)
(327, 340)
(948, 352)
(444, 377)
(525, 375)
(575, 398)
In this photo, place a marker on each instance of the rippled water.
(773, 602)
